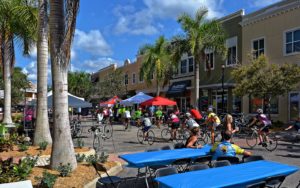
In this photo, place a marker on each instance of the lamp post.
(223, 68)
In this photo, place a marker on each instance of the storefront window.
(255, 103)
(294, 105)
(237, 104)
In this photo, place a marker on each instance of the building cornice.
(240, 13)
(271, 11)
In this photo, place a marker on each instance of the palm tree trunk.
(197, 81)
(7, 60)
(42, 131)
(157, 88)
(62, 147)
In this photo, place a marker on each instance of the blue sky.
(110, 31)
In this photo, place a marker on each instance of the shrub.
(80, 142)
(80, 158)
(23, 147)
(93, 159)
(43, 145)
(5, 144)
(64, 170)
(47, 181)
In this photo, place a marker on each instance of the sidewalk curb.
(113, 171)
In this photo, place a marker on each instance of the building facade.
(275, 32)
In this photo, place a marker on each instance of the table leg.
(146, 180)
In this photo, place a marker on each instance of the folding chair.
(182, 164)
(204, 159)
(221, 163)
(261, 184)
(166, 171)
(275, 181)
(198, 167)
(109, 180)
(231, 159)
(252, 158)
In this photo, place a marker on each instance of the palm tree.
(200, 34)
(42, 131)
(62, 23)
(79, 84)
(17, 22)
(156, 61)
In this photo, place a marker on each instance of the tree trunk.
(62, 147)
(197, 81)
(7, 66)
(157, 89)
(42, 131)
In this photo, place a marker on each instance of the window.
(209, 61)
(141, 78)
(151, 76)
(231, 56)
(258, 47)
(183, 66)
(256, 103)
(126, 79)
(191, 64)
(292, 41)
(133, 78)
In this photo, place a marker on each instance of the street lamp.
(223, 68)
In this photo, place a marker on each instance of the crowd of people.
(193, 120)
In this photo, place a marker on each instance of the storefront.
(294, 105)
(180, 92)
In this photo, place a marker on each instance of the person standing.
(175, 125)
(213, 121)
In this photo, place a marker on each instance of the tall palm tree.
(42, 131)
(17, 22)
(200, 34)
(62, 24)
(156, 62)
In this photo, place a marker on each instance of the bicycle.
(141, 138)
(75, 127)
(269, 140)
(205, 136)
(100, 132)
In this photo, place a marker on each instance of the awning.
(178, 88)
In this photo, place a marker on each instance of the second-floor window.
(141, 78)
(133, 78)
(191, 64)
(231, 56)
(292, 41)
(209, 61)
(183, 66)
(126, 79)
(258, 47)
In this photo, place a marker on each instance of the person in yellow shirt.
(225, 148)
(213, 121)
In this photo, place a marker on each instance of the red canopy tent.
(110, 102)
(158, 101)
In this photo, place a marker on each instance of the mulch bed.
(82, 175)
(33, 150)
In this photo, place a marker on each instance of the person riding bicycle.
(213, 121)
(146, 123)
(158, 116)
(196, 114)
(190, 122)
(262, 121)
(226, 148)
(175, 124)
(100, 116)
(137, 116)
(295, 125)
(127, 117)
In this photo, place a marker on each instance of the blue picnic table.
(234, 176)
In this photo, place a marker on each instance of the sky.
(110, 31)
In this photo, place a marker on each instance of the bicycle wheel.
(180, 137)
(205, 137)
(251, 140)
(140, 136)
(271, 145)
(96, 143)
(151, 137)
(166, 134)
(108, 131)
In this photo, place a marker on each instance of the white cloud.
(94, 65)
(33, 51)
(31, 71)
(145, 21)
(260, 3)
(91, 42)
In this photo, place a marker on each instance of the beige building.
(275, 32)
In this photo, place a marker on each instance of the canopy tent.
(110, 102)
(137, 99)
(158, 101)
(74, 101)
